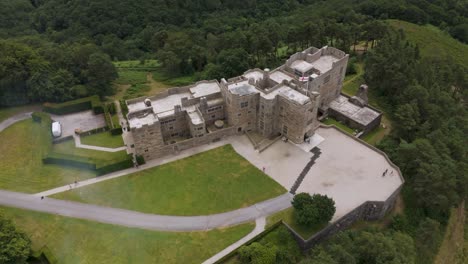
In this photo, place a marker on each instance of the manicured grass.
(22, 147)
(433, 42)
(331, 121)
(211, 182)
(100, 157)
(78, 241)
(289, 218)
(104, 139)
(131, 77)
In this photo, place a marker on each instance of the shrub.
(140, 160)
(82, 104)
(117, 130)
(124, 107)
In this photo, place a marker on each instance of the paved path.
(141, 220)
(259, 227)
(79, 145)
(149, 164)
(16, 118)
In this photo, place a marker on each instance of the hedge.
(86, 163)
(119, 165)
(40, 116)
(82, 104)
(69, 160)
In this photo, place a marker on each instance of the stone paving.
(85, 121)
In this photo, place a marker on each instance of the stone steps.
(316, 151)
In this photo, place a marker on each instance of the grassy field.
(78, 241)
(289, 218)
(10, 111)
(104, 139)
(331, 121)
(137, 64)
(100, 157)
(353, 81)
(433, 42)
(211, 182)
(454, 243)
(131, 77)
(22, 147)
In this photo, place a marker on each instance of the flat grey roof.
(204, 89)
(301, 65)
(324, 63)
(242, 88)
(279, 76)
(362, 115)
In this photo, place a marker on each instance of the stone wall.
(370, 210)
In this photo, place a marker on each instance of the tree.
(101, 73)
(15, 246)
(314, 209)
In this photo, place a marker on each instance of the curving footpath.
(16, 118)
(141, 220)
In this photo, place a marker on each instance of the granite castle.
(284, 102)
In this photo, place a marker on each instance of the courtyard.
(347, 169)
(85, 121)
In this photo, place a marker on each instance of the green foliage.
(365, 247)
(92, 102)
(41, 117)
(69, 160)
(15, 246)
(311, 210)
(116, 166)
(140, 160)
(277, 246)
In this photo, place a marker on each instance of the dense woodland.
(56, 50)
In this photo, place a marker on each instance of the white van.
(56, 129)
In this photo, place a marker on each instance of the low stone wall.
(370, 210)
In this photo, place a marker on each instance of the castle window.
(213, 116)
(239, 114)
(170, 128)
(244, 104)
(146, 150)
(285, 130)
(327, 79)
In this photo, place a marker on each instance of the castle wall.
(242, 111)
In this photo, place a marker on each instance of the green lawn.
(136, 64)
(78, 241)
(289, 218)
(22, 147)
(159, 76)
(10, 111)
(104, 139)
(433, 42)
(352, 82)
(100, 157)
(331, 121)
(375, 136)
(211, 182)
(131, 77)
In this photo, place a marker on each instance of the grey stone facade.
(283, 102)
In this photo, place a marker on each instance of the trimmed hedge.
(86, 163)
(116, 131)
(119, 165)
(82, 104)
(69, 160)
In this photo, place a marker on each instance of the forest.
(56, 50)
